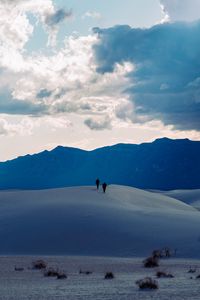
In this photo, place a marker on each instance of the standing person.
(104, 186)
(97, 183)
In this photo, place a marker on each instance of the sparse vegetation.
(162, 274)
(61, 276)
(19, 269)
(85, 272)
(109, 275)
(163, 253)
(167, 252)
(51, 273)
(192, 270)
(147, 283)
(39, 264)
(151, 262)
(157, 254)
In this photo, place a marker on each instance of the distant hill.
(164, 164)
(190, 197)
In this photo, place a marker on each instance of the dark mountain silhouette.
(164, 164)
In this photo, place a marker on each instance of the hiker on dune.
(97, 183)
(104, 186)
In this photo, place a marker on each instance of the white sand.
(81, 221)
(33, 285)
(191, 197)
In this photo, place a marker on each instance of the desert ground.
(32, 284)
(80, 228)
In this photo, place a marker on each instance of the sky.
(92, 73)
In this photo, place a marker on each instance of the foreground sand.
(31, 284)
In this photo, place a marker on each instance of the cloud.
(11, 106)
(43, 93)
(4, 130)
(15, 27)
(73, 85)
(98, 124)
(55, 122)
(135, 75)
(24, 127)
(58, 16)
(166, 70)
(92, 14)
(52, 20)
(181, 10)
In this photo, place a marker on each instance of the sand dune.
(191, 197)
(81, 221)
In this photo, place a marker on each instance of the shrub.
(161, 274)
(51, 273)
(61, 276)
(198, 277)
(151, 262)
(39, 264)
(147, 283)
(19, 269)
(85, 272)
(164, 253)
(167, 252)
(157, 253)
(192, 270)
(109, 275)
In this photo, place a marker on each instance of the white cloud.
(15, 27)
(68, 76)
(73, 84)
(56, 122)
(92, 14)
(181, 10)
(10, 128)
(26, 126)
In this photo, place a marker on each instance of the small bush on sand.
(168, 252)
(192, 270)
(85, 272)
(51, 273)
(61, 276)
(39, 264)
(151, 262)
(109, 275)
(157, 254)
(161, 274)
(164, 253)
(19, 269)
(147, 283)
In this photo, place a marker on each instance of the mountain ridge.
(163, 164)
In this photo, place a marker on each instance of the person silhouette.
(97, 183)
(104, 186)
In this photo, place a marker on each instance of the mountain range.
(164, 164)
